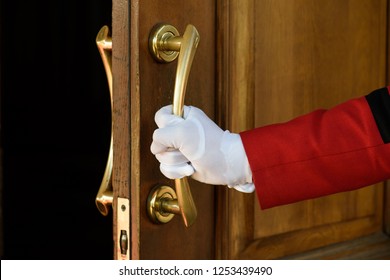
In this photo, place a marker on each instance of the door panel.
(304, 55)
(150, 87)
(156, 90)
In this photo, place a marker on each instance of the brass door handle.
(104, 196)
(165, 45)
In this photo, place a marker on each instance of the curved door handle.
(104, 196)
(165, 45)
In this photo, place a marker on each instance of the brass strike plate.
(122, 229)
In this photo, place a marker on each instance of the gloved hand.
(195, 145)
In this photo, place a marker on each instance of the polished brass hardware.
(104, 196)
(162, 204)
(165, 45)
(122, 227)
(124, 242)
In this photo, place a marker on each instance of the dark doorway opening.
(55, 130)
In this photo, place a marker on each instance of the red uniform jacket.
(321, 153)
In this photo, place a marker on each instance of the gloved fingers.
(174, 157)
(186, 111)
(165, 138)
(176, 171)
(164, 117)
(157, 148)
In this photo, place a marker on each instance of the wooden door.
(142, 86)
(258, 62)
(286, 59)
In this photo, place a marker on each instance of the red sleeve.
(321, 153)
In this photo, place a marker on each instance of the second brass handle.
(104, 196)
(165, 45)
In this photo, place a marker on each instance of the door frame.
(125, 173)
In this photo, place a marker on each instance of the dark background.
(55, 129)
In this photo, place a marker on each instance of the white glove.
(195, 145)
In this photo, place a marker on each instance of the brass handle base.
(162, 204)
(162, 43)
